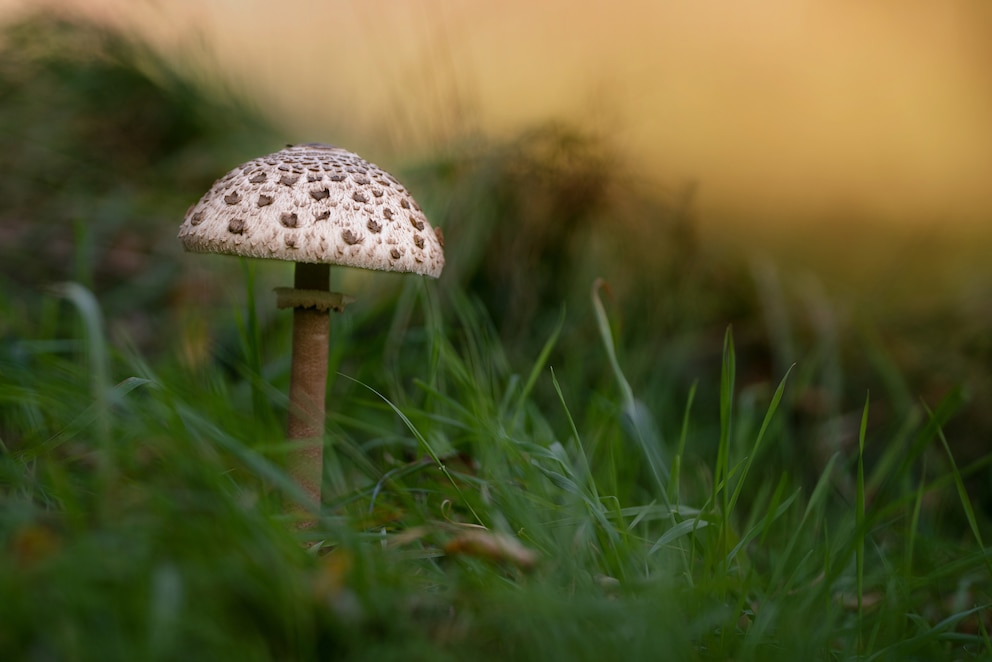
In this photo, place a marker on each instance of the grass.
(140, 513)
(679, 461)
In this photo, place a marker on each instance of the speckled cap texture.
(315, 203)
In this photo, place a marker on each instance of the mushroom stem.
(308, 386)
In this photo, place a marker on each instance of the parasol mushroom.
(314, 205)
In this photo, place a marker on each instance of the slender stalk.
(308, 386)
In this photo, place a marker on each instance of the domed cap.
(315, 203)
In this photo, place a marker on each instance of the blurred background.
(814, 172)
(790, 111)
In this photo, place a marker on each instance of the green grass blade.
(251, 344)
(914, 522)
(721, 493)
(680, 530)
(635, 416)
(800, 534)
(206, 431)
(769, 414)
(603, 324)
(539, 364)
(755, 531)
(931, 635)
(673, 484)
(99, 362)
(859, 516)
(422, 441)
(962, 491)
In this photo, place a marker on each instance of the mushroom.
(314, 205)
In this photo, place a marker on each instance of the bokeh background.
(816, 173)
(801, 123)
(792, 111)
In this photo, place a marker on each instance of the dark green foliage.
(103, 147)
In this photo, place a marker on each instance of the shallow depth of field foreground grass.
(140, 518)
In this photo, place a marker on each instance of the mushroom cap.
(315, 203)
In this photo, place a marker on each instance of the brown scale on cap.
(247, 211)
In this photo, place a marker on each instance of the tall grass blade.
(251, 343)
(903, 462)
(859, 517)
(593, 501)
(538, 367)
(769, 414)
(207, 431)
(435, 457)
(969, 510)
(638, 420)
(96, 345)
(87, 417)
(914, 522)
(721, 476)
(673, 485)
(932, 635)
(755, 531)
(816, 502)
(681, 529)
